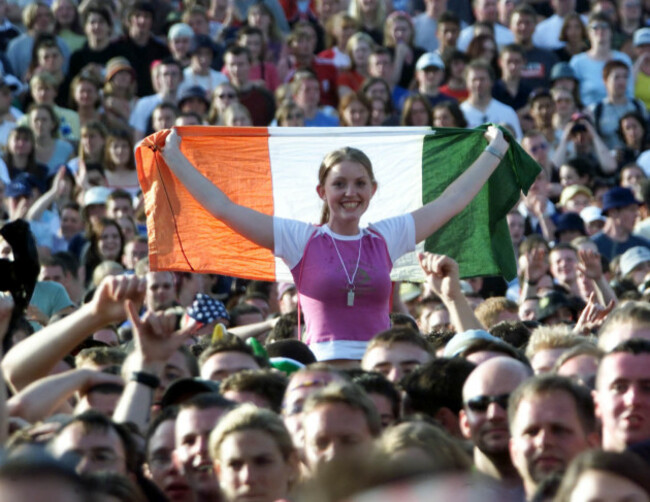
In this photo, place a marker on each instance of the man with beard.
(551, 421)
(484, 417)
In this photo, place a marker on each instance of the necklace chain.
(345, 270)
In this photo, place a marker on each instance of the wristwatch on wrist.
(146, 379)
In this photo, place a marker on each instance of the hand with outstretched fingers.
(592, 316)
(590, 264)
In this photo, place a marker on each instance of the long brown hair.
(336, 157)
(116, 136)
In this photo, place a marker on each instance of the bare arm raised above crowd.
(591, 266)
(444, 281)
(456, 196)
(49, 395)
(34, 357)
(59, 186)
(256, 226)
(156, 339)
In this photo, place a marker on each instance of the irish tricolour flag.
(275, 170)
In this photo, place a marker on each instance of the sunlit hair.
(249, 417)
(215, 110)
(336, 157)
(551, 337)
(444, 454)
(342, 20)
(401, 334)
(347, 394)
(626, 465)
(30, 13)
(636, 314)
(234, 111)
(354, 41)
(543, 385)
(299, 78)
(284, 110)
(389, 39)
(380, 12)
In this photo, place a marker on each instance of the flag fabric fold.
(275, 170)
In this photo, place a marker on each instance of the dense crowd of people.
(125, 383)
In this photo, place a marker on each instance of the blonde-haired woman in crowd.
(371, 15)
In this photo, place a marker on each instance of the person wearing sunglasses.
(484, 417)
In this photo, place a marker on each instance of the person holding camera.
(580, 139)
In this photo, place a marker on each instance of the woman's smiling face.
(347, 192)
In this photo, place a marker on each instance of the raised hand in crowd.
(108, 301)
(537, 203)
(533, 267)
(35, 356)
(592, 316)
(591, 266)
(444, 280)
(156, 339)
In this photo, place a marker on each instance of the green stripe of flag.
(478, 237)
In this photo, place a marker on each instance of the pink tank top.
(323, 288)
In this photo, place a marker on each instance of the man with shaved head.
(484, 417)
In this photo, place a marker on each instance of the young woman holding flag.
(341, 271)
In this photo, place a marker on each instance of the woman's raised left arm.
(456, 196)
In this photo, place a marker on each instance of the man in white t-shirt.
(426, 24)
(169, 79)
(480, 107)
(485, 11)
(199, 72)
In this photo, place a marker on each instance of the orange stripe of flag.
(182, 235)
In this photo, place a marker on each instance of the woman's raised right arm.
(255, 226)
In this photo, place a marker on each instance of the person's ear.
(374, 188)
(463, 421)
(320, 190)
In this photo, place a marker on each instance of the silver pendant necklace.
(350, 280)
